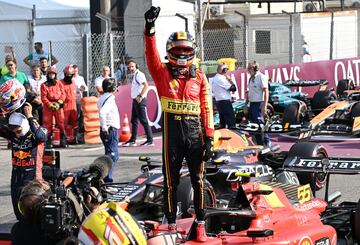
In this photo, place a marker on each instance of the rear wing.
(306, 83)
(271, 127)
(331, 165)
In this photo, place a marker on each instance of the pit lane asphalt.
(77, 157)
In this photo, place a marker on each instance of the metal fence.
(283, 39)
(69, 52)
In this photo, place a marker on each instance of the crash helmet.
(69, 69)
(180, 49)
(12, 96)
(51, 69)
(110, 224)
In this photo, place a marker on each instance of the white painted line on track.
(94, 149)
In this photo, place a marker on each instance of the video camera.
(66, 208)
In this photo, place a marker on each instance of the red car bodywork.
(291, 223)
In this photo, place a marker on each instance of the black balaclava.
(51, 81)
(68, 78)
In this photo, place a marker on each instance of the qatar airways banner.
(332, 70)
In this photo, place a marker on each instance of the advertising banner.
(331, 70)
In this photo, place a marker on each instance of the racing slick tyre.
(321, 100)
(291, 114)
(356, 223)
(185, 195)
(355, 112)
(269, 111)
(309, 149)
(343, 85)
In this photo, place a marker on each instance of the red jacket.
(181, 95)
(51, 94)
(70, 94)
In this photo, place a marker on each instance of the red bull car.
(235, 152)
(268, 213)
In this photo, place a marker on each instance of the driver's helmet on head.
(180, 49)
(111, 225)
(12, 96)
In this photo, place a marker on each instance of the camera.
(65, 209)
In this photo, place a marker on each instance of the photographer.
(33, 196)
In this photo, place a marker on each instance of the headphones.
(109, 85)
(132, 61)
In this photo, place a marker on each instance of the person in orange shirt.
(70, 111)
(53, 97)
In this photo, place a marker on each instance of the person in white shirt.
(105, 73)
(139, 89)
(109, 122)
(258, 97)
(36, 79)
(222, 86)
(81, 87)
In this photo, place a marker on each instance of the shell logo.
(174, 84)
(305, 241)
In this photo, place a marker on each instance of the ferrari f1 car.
(273, 213)
(234, 152)
(341, 117)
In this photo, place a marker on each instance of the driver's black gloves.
(150, 17)
(209, 148)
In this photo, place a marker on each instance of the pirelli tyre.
(309, 149)
(355, 112)
(292, 114)
(344, 84)
(185, 195)
(321, 100)
(355, 223)
(269, 111)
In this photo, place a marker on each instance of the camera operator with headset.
(33, 196)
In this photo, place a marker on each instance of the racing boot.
(63, 142)
(48, 143)
(200, 231)
(172, 228)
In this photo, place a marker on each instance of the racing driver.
(186, 104)
(27, 139)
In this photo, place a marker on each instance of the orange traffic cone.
(125, 130)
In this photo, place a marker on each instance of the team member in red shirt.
(186, 104)
(70, 111)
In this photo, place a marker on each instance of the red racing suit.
(27, 158)
(187, 106)
(52, 93)
(70, 111)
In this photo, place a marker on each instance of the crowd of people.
(186, 102)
